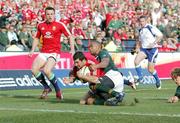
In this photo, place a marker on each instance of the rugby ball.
(84, 71)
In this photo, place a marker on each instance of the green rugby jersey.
(105, 54)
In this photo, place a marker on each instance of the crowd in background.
(110, 21)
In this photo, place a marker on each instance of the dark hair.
(142, 16)
(79, 55)
(49, 8)
(175, 73)
(13, 42)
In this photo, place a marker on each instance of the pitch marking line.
(84, 112)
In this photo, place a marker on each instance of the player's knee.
(47, 72)
(151, 70)
(136, 62)
(90, 101)
(34, 71)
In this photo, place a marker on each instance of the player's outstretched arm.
(72, 43)
(34, 45)
(68, 80)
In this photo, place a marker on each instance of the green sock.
(113, 93)
(102, 88)
(99, 101)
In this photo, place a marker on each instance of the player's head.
(50, 14)
(175, 74)
(142, 20)
(95, 47)
(79, 59)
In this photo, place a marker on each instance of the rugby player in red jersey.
(99, 94)
(80, 61)
(50, 31)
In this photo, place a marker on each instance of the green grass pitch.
(144, 105)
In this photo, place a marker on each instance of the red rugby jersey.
(90, 60)
(50, 34)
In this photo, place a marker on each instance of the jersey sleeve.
(177, 93)
(65, 30)
(104, 54)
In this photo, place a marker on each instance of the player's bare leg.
(51, 76)
(37, 65)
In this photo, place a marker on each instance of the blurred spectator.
(78, 32)
(65, 44)
(101, 36)
(77, 17)
(164, 47)
(86, 22)
(98, 37)
(155, 3)
(90, 32)
(40, 16)
(120, 34)
(131, 33)
(110, 33)
(4, 19)
(170, 28)
(57, 12)
(168, 45)
(78, 44)
(156, 15)
(26, 11)
(97, 17)
(14, 46)
(25, 38)
(91, 14)
(12, 35)
(115, 22)
(13, 23)
(161, 24)
(4, 41)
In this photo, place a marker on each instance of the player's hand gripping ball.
(82, 72)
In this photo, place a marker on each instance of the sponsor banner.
(20, 61)
(17, 79)
(23, 79)
(130, 73)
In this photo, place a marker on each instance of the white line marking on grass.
(80, 92)
(88, 112)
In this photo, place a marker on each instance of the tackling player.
(99, 92)
(92, 96)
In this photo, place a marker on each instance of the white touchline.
(88, 112)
